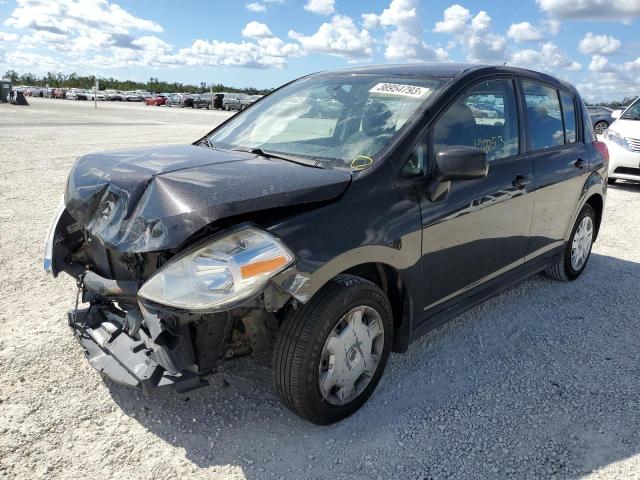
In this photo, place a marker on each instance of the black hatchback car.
(329, 237)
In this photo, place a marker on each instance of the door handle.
(580, 163)
(521, 181)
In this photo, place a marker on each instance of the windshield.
(338, 121)
(633, 112)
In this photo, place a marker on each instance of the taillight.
(602, 149)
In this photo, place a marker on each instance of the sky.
(594, 44)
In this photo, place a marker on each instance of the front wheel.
(332, 351)
(578, 248)
(600, 127)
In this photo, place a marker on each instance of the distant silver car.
(600, 118)
(232, 101)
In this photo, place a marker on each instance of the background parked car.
(246, 100)
(202, 101)
(173, 100)
(217, 100)
(623, 141)
(99, 95)
(159, 99)
(132, 97)
(600, 118)
(60, 93)
(113, 95)
(187, 100)
(76, 94)
(231, 101)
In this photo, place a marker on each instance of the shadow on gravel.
(541, 380)
(626, 186)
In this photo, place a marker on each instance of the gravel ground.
(542, 381)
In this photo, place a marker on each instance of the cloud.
(265, 53)
(455, 20)
(599, 44)
(256, 7)
(321, 7)
(524, 32)
(8, 37)
(473, 34)
(403, 32)
(552, 26)
(99, 34)
(549, 58)
(620, 10)
(600, 64)
(256, 30)
(67, 16)
(340, 37)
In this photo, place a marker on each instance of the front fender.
(401, 257)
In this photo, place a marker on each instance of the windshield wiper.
(262, 153)
(206, 142)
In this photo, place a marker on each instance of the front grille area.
(628, 171)
(634, 144)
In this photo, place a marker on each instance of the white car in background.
(623, 141)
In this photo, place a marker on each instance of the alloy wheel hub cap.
(581, 246)
(351, 355)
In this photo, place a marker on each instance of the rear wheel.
(331, 352)
(578, 248)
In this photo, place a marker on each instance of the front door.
(481, 228)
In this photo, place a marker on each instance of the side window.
(485, 116)
(544, 117)
(569, 115)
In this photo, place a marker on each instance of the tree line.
(626, 101)
(75, 80)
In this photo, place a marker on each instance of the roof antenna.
(504, 64)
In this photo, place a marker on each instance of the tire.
(301, 350)
(611, 181)
(600, 127)
(565, 270)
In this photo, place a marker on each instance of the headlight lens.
(616, 138)
(224, 271)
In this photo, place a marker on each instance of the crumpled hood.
(155, 198)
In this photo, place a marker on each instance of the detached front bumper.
(142, 360)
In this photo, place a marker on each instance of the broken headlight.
(225, 271)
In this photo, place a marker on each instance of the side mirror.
(460, 163)
(616, 114)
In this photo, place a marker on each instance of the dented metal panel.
(155, 198)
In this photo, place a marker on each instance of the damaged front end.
(155, 319)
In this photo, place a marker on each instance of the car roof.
(448, 70)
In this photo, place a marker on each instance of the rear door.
(560, 158)
(480, 230)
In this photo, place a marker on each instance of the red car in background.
(156, 100)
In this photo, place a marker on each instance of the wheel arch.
(596, 201)
(391, 283)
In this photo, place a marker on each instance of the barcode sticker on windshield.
(399, 89)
